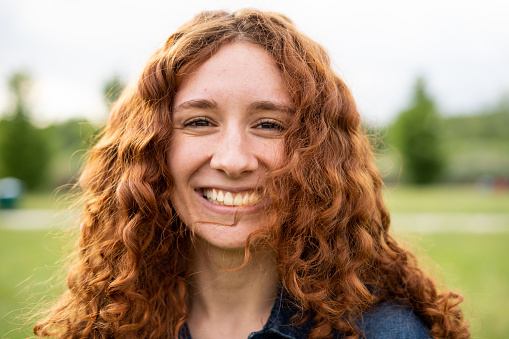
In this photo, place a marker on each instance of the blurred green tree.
(69, 141)
(417, 135)
(24, 152)
(489, 123)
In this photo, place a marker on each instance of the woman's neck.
(227, 302)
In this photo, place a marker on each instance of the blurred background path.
(410, 222)
(34, 219)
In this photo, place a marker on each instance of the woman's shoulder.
(392, 320)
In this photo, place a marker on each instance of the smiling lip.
(222, 197)
(229, 201)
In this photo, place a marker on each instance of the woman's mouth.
(238, 199)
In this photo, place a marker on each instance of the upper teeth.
(220, 197)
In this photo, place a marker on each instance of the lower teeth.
(215, 202)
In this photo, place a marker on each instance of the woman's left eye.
(270, 124)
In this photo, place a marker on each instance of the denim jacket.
(385, 321)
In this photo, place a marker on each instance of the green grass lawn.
(28, 259)
(43, 200)
(473, 264)
(446, 199)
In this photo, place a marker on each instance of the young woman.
(233, 195)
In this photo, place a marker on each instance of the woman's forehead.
(236, 69)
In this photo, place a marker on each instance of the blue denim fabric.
(386, 321)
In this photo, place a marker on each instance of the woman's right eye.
(198, 122)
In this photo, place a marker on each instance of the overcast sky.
(71, 47)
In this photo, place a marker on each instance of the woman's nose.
(233, 153)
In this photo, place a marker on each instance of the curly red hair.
(329, 223)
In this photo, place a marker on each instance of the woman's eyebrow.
(270, 106)
(262, 105)
(196, 103)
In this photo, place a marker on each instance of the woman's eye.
(271, 125)
(198, 122)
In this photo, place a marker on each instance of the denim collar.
(384, 321)
(278, 325)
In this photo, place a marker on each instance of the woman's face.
(229, 117)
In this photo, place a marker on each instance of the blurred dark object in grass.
(490, 183)
(11, 191)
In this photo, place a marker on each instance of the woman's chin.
(225, 237)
